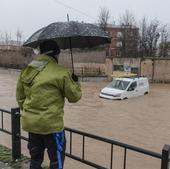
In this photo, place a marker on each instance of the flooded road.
(142, 122)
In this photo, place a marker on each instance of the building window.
(118, 53)
(119, 34)
(135, 70)
(119, 44)
(118, 67)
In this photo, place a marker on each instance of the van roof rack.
(124, 75)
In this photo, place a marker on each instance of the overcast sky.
(30, 15)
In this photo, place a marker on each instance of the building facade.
(124, 41)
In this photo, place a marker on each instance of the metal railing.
(88, 71)
(16, 144)
(15, 131)
(126, 147)
(2, 111)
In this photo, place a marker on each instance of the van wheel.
(145, 93)
(125, 98)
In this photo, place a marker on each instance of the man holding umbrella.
(41, 90)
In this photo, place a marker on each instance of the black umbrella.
(70, 35)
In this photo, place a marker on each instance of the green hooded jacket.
(41, 91)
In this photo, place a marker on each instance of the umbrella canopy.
(70, 35)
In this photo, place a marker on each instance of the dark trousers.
(55, 144)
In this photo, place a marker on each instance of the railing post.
(165, 157)
(82, 74)
(16, 132)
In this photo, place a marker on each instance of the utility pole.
(68, 18)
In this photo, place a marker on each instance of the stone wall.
(147, 68)
(162, 70)
(15, 58)
(82, 57)
(85, 63)
(109, 68)
(132, 62)
(91, 63)
(157, 69)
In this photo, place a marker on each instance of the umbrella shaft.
(71, 55)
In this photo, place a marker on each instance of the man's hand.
(74, 77)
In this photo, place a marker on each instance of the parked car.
(124, 88)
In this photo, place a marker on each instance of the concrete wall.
(126, 62)
(157, 70)
(90, 68)
(147, 68)
(162, 71)
(109, 68)
(132, 62)
(15, 58)
(92, 63)
(82, 57)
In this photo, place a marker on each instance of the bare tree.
(113, 22)
(1, 39)
(164, 45)
(19, 36)
(149, 36)
(127, 18)
(143, 45)
(129, 38)
(103, 18)
(153, 36)
(7, 38)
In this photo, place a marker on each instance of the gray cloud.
(31, 15)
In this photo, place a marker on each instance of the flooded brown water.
(142, 122)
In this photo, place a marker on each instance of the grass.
(5, 156)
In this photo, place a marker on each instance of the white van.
(124, 88)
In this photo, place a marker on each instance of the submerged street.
(142, 122)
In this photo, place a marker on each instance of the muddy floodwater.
(143, 122)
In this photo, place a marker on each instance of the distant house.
(124, 41)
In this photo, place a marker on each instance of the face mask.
(36, 51)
